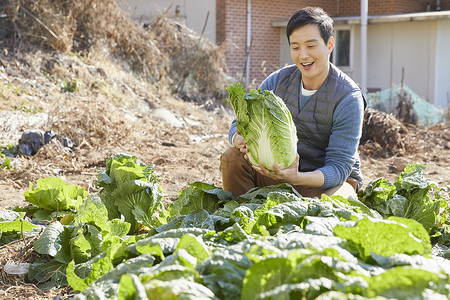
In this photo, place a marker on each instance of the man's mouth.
(308, 65)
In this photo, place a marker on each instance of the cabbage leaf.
(53, 194)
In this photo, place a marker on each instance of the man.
(327, 108)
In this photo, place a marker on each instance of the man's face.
(311, 55)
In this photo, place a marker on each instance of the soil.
(111, 111)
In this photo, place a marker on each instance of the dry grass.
(195, 64)
(17, 286)
(383, 135)
(167, 53)
(80, 26)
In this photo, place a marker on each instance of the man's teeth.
(307, 64)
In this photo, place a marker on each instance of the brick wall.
(265, 50)
(445, 5)
(220, 21)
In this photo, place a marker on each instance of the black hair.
(311, 15)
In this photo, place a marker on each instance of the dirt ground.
(104, 109)
(191, 153)
(183, 140)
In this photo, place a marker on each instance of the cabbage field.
(270, 243)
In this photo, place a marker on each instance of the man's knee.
(231, 161)
(237, 176)
(345, 190)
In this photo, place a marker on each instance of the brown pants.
(238, 177)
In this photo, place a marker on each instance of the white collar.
(306, 92)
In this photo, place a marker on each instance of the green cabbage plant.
(265, 122)
(130, 189)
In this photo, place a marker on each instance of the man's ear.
(330, 44)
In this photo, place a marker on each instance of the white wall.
(192, 12)
(196, 13)
(412, 50)
(442, 77)
(394, 46)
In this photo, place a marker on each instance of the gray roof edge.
(422, 16)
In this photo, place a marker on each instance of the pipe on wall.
(364, 10)
(249, 35)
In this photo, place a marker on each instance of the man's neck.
(306, 92)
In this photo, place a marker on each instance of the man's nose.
(303, 53)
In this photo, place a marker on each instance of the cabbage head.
(265, 122)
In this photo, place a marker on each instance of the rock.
(166, 116)
(399, 164)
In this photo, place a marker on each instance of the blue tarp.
(387, 101)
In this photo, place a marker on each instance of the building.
(406, 39)
(402, 35)
(199, 15)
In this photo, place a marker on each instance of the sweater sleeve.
(342, 150)
(269, 84)
(232, 132)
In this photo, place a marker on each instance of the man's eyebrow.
(308, 41)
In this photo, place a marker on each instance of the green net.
(406, 105)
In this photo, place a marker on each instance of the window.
(342, 53)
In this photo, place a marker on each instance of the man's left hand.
(288, 174)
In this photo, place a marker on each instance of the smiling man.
(327, 108)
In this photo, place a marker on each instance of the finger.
(259, 170)
(264, 170)
(276, 168)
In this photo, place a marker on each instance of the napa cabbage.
(130, 189)
(265, 122)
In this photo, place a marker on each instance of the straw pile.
(383, 134)
(165, 53)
